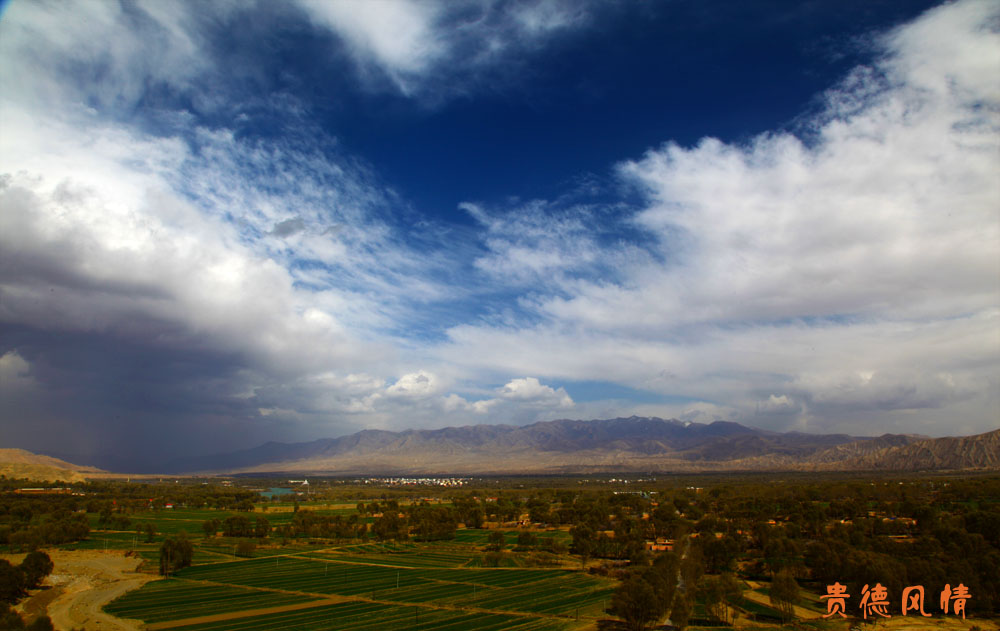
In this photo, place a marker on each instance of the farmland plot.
(424, 597)
(359, 616)
(173, 600)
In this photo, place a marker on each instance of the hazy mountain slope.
(21, 456)
(18, 463)
(572, 446)
(981, 451)
(861, 449)
(552, 446)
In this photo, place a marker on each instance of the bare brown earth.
(82, 582)
(18, 463)
(39, 473)
(21, 456)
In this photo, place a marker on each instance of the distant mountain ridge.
(965, 452)
(620, 444)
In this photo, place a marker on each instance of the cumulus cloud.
(523, 399)
(779, 404)
(415, 385)
(15, 373)
(866, 243)
(529, 389)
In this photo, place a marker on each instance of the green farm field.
(432, 585)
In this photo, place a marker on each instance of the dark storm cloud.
(115, 394)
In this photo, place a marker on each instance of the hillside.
(967, 452)
(18, 463)
(621, 444)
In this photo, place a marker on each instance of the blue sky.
(230, 222)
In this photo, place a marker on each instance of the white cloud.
(528, 389)
(15, 373)
(397, 35)
(538, 244)
(900, 390)
(419, 384)
(784, 263)
(417, 43)
(548, 15)
(779, 404)
(107, 53)
(844, 280)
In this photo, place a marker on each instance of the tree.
(583, 542)
(210, 526)
(496, 540)
(711, 594)
(719, 553)
(731, 592)
(718, 592)
(527, 540)
(11, 582)
(781, 552)
(635, 602)
(784, 593)
(175, 553)
(662, 576)
(474, 517)
(492, 558)
(36, 566)
(433, 523)
(237, 526)
(150, 532)
(245, 548)
(680, 610)
(262, 528)
(390, 526)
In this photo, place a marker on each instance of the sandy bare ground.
(82, 582)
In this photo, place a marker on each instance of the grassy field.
(432, 585)
(362, 616)
(173, 599)
(526, 590)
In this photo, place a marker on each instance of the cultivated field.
(303, 585)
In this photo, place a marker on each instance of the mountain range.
(602, 446)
